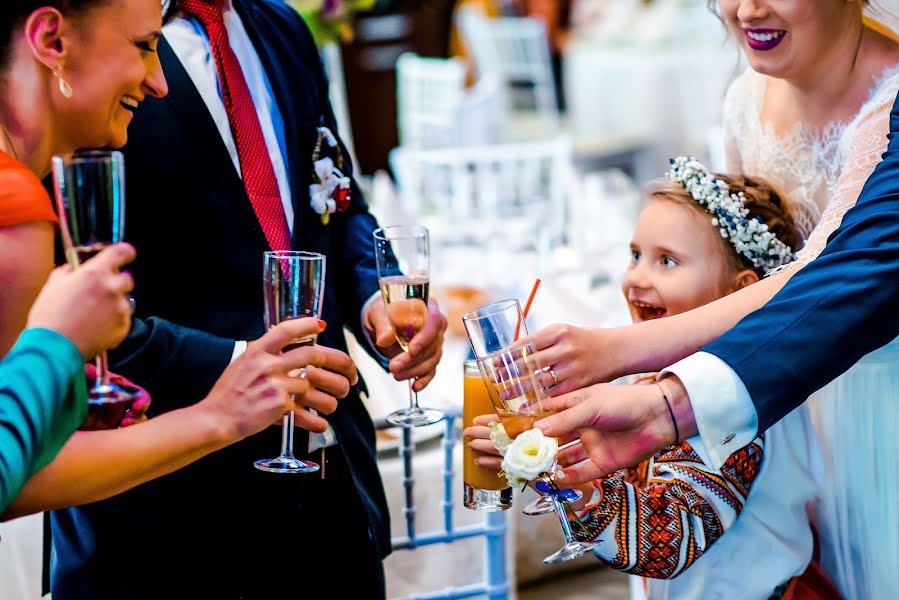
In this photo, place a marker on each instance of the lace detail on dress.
(820, 171)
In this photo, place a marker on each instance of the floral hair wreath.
(331, 191)
(750, 236)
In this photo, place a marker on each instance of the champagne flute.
(513, 381)
(491, 330)
(293, 285)
(90, 196)
(403, 257)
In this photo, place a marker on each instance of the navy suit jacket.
(198, 288)
(840, 307)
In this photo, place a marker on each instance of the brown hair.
(13, 14)
(762, 201)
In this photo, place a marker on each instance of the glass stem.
(562, 513)
(287, 436)
(102, 370)
(413, 396)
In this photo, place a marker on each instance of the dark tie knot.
(208, 12)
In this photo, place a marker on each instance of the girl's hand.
(478, 438)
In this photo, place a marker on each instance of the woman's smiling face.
(111, 64)
(786, 38)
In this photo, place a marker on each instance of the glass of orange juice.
(484, 489)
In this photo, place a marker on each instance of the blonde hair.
(762, 201)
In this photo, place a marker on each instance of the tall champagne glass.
(403, 256)
(513, 380)
(293, 284)
(90, 196)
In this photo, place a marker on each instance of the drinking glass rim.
(494, 307)
(301, 254)
(407, 232)
(89, 156)
(515, 347)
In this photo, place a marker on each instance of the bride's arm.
(580, 358)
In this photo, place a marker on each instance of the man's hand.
(619, 425)
(425, 348)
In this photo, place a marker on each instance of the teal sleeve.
(43, 400)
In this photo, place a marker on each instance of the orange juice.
(476, 403)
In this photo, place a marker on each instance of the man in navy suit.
(218, 173)
(832, 312)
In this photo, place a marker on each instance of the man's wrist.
(681, 409)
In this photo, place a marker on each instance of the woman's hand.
(262, 384)
(573, 357)
(478, 436)
(88, 305)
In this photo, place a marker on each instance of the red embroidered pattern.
(682, 493)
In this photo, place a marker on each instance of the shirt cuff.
(724, 412)
(240, 347)
(382, 360)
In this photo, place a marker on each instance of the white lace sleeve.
(866, 141)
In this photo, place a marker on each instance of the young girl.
(701, 237)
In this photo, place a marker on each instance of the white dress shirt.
(724, 412)
(191, 45)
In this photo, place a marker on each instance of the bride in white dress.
(822, 168)
(812, 117)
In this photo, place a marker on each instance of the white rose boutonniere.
(529, 456)
(331, 190)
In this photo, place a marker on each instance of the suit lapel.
(193, 114)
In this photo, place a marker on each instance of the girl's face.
(111, 63)
(677, 263)
(787, 38)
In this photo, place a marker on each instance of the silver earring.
(64, 88)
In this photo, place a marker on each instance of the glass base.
(544, 505)
(487, 500)
(569, 551)
(415, 417)
(107, 406)
(286, 464)
(110, 393)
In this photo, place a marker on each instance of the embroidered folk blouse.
(659, 520)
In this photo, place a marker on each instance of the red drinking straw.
(527, 307)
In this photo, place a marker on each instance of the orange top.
(23, 198)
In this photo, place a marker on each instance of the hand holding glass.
(513, 381)
(403, 257)
(90, 196)
(293, 285)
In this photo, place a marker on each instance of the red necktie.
(255, 162)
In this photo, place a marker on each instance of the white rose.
(319, 197)
(324, 168)
(530, 455)
(499, 437)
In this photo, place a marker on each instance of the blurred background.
(521, 133)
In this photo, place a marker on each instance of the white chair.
(500, 209)
(429, 97)
(435, 110)
(515, 50)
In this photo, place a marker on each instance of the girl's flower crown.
(750, 237)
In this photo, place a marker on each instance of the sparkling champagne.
(407, 305)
